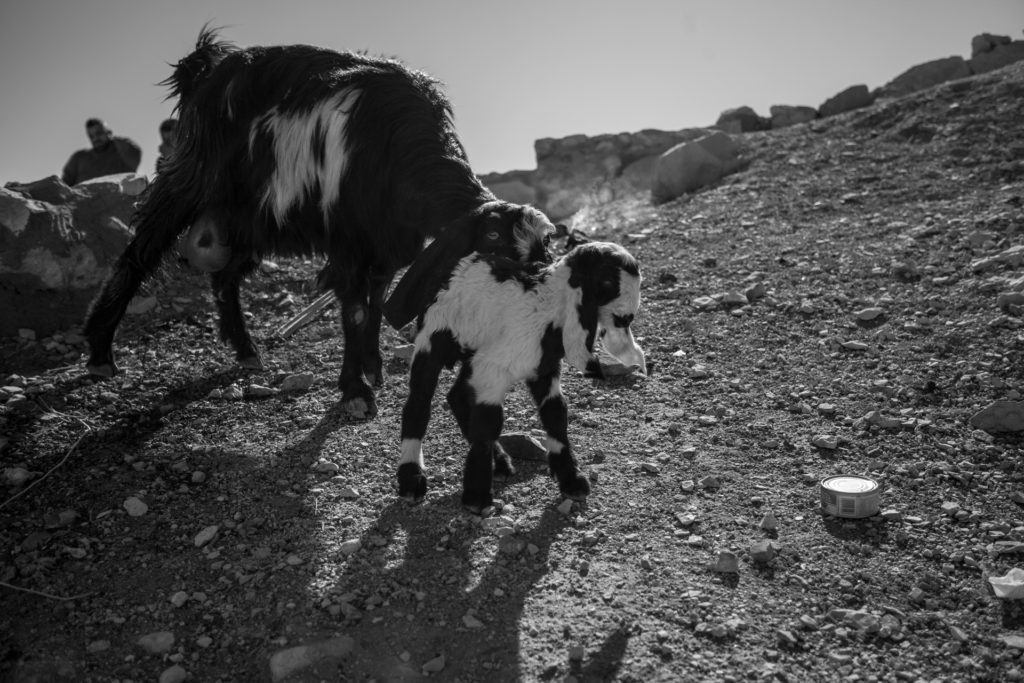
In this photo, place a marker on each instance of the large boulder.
(986, 42)
(997, 56)
(692, 165)
(741, 120)
(925, 76)
(56, 244)
(579, 170)
(854, 97)
(784, 115)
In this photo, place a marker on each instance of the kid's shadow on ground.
(442, 601)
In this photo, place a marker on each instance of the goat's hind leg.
(460, 400)
(356, 394)
(554, 417)
(372, 363)
(423, 374)
(226, 284)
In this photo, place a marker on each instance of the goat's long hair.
(406, 173)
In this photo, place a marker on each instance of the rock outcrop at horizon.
(579, 170)
(56, 244)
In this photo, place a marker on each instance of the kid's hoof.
(412, 484)
(361, 408)
(577, 488)
(477, 503)
(251, 363)
(503, 469)
(101, 369)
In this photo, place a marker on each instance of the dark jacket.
(120, 156)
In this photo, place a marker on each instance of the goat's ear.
(427, 275)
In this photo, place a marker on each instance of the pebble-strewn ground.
(843, 305)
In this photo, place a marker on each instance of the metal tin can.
(849, 495)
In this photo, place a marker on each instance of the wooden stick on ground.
(306, 315)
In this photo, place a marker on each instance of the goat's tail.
(191, 70)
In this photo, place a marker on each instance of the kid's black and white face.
(607, 278)
(615, 323)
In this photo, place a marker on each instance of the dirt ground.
(843, 305)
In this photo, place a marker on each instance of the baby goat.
(299, 150)
(507, 322)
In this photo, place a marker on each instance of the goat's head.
(605, 279)
(518, 232)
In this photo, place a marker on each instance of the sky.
(515, 70)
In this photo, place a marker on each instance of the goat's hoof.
(577, 488)
(376, 379)
(103, 369)
(477, 503)
(503, 469)
(251, 363)
(412, 484)
(361, 408)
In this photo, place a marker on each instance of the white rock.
(350, 546)
(206, 535)
(434, 665)
(768, 522)
(868, 314)
(174, 674)
(826, 441)
(157, 643)
(179, 598)
(299, 382)
(565, 507)
(16, 476)
(135, 507)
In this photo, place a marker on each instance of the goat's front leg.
(423, 374)
(356, 394)
(486, 421)
(460, 400)
(372, 363)
(554, 417)
(140, 258)
(226, 284)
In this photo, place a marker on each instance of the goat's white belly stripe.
(297, 171)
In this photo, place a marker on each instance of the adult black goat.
(300, 150)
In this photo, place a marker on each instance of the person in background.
(108, 155)
(168, 138)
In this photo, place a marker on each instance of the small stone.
(204, 641)
(435, 665)
(179, 598)
(727, 563)
(687, 486)
(198, 477)
(768, 522)
(135, 507)
(259, 391)
(1000, 416)
(808, 622)
(405, 352)
(650, 468)
(98, 646)
(565, 507)
(350, 546)
(826, 441)
(471, 621)
(710, 482)
(348, 493)
(892, 515)
(327, 467)
(16, 476)
(174, 674)
(762, 551)
(157, 643)
(868, 314)
(296, 383)
(949, 508)
(854, 345)
(206, 535)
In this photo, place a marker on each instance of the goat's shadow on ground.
(437, 557)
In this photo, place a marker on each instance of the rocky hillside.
(581, 171)
(848, 303)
